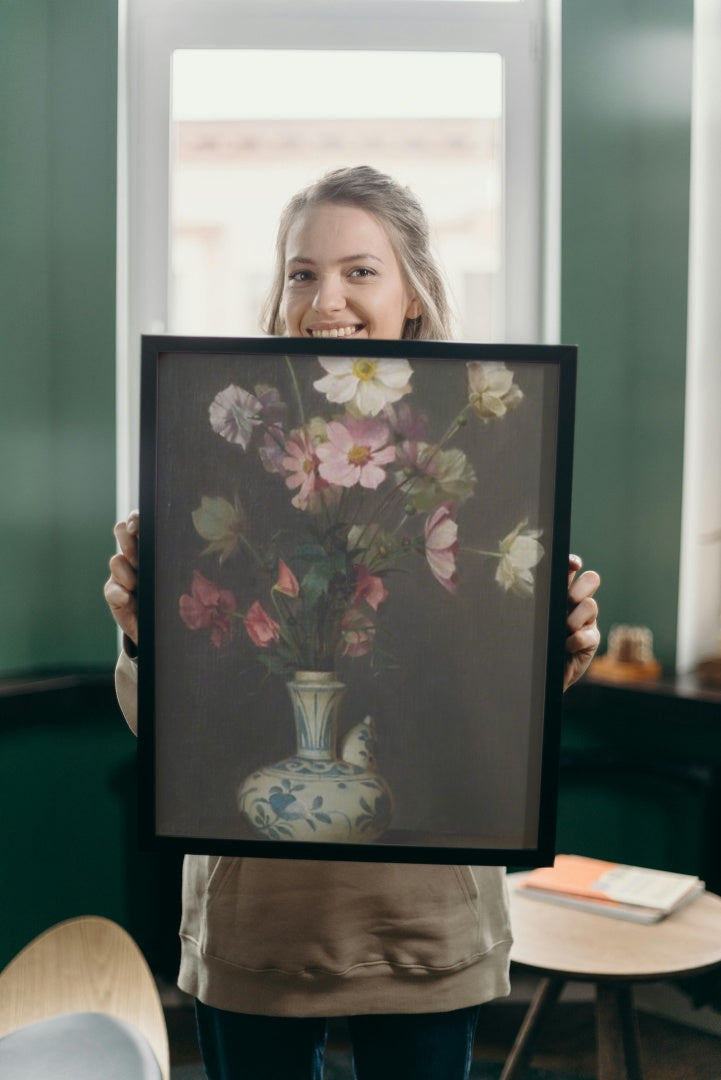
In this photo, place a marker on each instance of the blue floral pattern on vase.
(315, 795)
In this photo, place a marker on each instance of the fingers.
(123, 608)
(123, 572)
(120, 588)
(575, 562)
(126, 534)
(584, 613)
(583, 636)
(584, 641)
(584, 586)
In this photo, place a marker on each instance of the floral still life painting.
(351, 595)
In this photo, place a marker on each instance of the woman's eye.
(362, 272)
(300, 276)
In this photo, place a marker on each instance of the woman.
(271, 948)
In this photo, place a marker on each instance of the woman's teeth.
(336, 332)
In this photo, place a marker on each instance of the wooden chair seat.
(84, 965)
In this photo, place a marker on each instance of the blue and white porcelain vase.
(317, 795)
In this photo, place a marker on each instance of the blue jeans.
(413, 1046)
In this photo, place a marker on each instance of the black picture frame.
(457, 648)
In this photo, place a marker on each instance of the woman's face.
(342, 277)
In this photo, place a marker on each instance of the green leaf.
(309, 552)
(274, 664)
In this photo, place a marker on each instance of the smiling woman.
(353, 259)
(336, 295)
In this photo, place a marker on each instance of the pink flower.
(357, 632)
(368, 588)
(405, 422)
(207, 606)
(234, 414)
(301, 465)
(441, 533)
(272, 452)
(274, 408)
(354, 453)
(262, 630)
(287, 582)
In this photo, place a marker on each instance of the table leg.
(545, 997)
(617, 1033)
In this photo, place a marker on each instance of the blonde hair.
(403, 217)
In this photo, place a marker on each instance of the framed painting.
(352, 597)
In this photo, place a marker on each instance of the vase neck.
(316, 697)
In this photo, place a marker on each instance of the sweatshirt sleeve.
(126, 688)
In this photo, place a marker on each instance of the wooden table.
(563, 944)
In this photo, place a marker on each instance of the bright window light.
(239, 154)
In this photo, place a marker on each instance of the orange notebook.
(633, 892)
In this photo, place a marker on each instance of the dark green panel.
(57, 323)
(82, 303)
(26, 480)
(626, 145)
(63, 786)
(641, 779)
(68, 798)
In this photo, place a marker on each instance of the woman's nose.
(329, 296)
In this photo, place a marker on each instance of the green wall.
(626, 145)
(626, 137)
(58, 72)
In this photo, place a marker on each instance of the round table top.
(559, 940)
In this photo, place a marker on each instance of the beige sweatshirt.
(319, 938)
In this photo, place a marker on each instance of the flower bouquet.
(377, 487)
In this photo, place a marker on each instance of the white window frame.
(526, 34)
(699, 596)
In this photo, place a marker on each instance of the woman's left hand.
(583, 636)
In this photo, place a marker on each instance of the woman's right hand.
(121, 587)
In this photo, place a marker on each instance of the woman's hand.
(583, 636)
(121, 587)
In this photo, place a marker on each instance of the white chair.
(79, 1002)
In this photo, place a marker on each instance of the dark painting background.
(459, 719)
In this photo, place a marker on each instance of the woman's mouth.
(335, 331)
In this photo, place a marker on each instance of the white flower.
(234, 414)
(491, 389)
(364, 384)
(520, 552)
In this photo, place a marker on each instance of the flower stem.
(480, 551)
(296, 390)
(453, 427)
(252, 551)
(285, 632)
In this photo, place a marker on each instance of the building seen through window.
(231, 175)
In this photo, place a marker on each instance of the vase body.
(317, 795)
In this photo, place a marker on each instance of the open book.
(608, 888)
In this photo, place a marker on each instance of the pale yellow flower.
(431, 476)
(520, 552)
(220, 522)
(491, 389)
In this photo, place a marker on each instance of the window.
(235, 162)
(227, 107)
